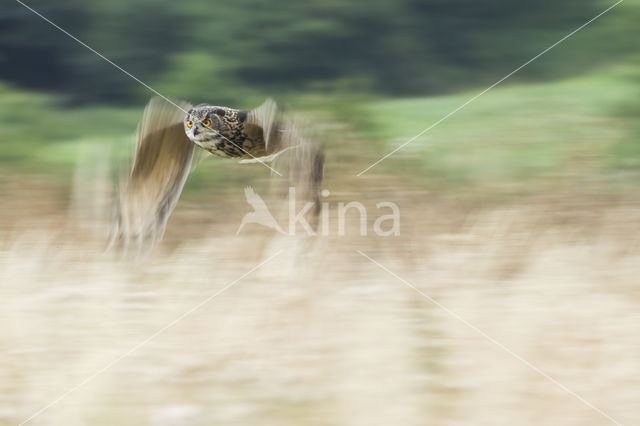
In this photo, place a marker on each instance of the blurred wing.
(293, 154)
(254, 199)
(289, 146)
(264, 117)
(199, 156)
(160, 167)
(300, 159)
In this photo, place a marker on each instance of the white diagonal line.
(101, 55)
(136, 79)
(490, 87)
(147, 340)
(491, 339)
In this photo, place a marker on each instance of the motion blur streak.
(522, 215)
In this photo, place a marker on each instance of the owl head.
(205, 122)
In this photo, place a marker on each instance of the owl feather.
(164, 154)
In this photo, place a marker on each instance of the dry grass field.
(196, 334)
(506, 133)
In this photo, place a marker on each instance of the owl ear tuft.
(220, 112)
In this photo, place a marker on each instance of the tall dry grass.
(319, 335)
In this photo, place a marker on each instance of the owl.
(169, 134)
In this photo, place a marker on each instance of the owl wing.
(161, 164)
(290, 148)
(263, 119)
(288, 141)
(300, 159)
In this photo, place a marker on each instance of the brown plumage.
(166, 141)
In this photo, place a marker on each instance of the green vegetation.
(575, 127)
(229, 52)
(579, 128)
(384, 71)
(38, 134)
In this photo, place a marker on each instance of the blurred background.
(386, 70)
(521, 212)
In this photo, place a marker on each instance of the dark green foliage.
(394, 47)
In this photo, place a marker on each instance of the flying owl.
(168, 135)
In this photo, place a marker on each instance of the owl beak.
(195, 131)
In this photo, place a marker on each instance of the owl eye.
(206, 123)
(189, 124)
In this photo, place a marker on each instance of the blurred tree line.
(199, 49)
